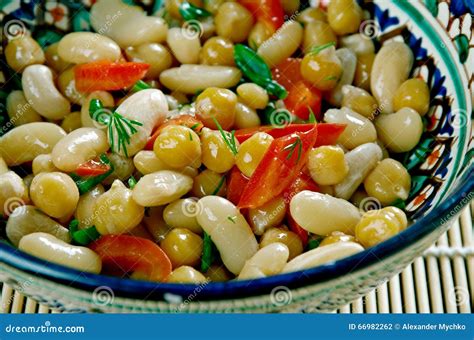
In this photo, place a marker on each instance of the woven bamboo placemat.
(441, 281)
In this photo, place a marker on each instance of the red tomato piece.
(236, 183)
(270, 12)
(92, 168)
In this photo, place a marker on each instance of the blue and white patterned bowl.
(440, 34)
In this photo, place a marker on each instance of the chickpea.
(3, 166)
(323, 69)
(123, 168)
(388, 182)
(259, 34)
(55, 193)
(216, 154)
(288, 238)
(186, 274)
(311, 14)
(317, 33)
(413, 93)
(233, 21)
(327, 165)
(377, 226)
(360, 101)
(43, 163)
(252, 151)
(207, 183)
(400, 131)
(72, 121)
(268, 215)
(399, 214)
(116, 212)
(337, 236)
(157, 55)
(253, 95)
(363, 70)
(155, 223)
(22, 52)
(182, 214)
(218, 273)
(13, 192)
(216, 104)
(217, 51)
(344, 16)
(53, 60)
(290, 6)
(67, 86)
(245, 117)
(183, 247)
(177, 146)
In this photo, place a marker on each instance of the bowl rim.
(214, 291)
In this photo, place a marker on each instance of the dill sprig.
(297, 144)
(317, 49)
(230, 141)
(116, 124)
(312, 116)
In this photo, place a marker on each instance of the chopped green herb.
(194, 127)
(209, 253)
(140, 85)
(312, 117)
(292, 147)
(232, 218)
(132, 182)
(318, 49)
(190, 136)
(328, 78)
(116, 124)
(314, 243)
(219, 186)
(85, 236)
(229, 141)
(399, 203)
(73, 226)
(192, 12)
(86, 184)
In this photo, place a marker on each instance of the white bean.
(24, 143)
(322, 255)
(392, 66)
(28, 219)
(270, 260)
(3, 166)
(358, 43)
(42, 94)
(147, 162)
(349, 63)
(322, 214)
(148, 107)
(13, 192)
(182, 214)
(19, 110)
(78, 147)
(50, 248)
(359, 130)
(228, 230)
(155, 223)
(116, 212)
(361, 161)
(126, 25)
(282, 44)
(85, 207)
(107, 101)
(161, 188)
(401, 131)
(123, 168)
(86, 47)
(191, 78)
(43, 163)
(185, 47)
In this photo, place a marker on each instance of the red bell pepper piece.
(301, 95)
(92, 168)
(328, 133)
(270, 12)
(108, 76)
(236, 183)
(278, 168)
(185, 120)
(302, 182)
(123, 254)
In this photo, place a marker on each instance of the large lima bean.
(322, 214)
(28, 219)
(150, 108)
(50, 248)
(392, 66)
(27, 141)
(78, 147)
(42, 94)
(282, 44)
(13, 192)
(361, 161)
(161, 187)
(229, 230)
(270, 260)
(126, 25)
(86, 47)
(321, 255)
(191, 78)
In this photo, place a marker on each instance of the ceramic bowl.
(440, 35)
